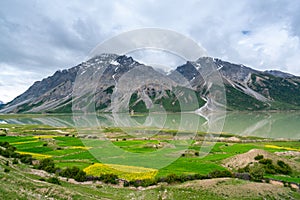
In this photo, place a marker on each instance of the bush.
(80, 176)
(220, 174)
(245, 169)
(69, 172)
(257, 172)
(53, 180)
(6, 170)
(47, 164)
(270, 169)
(75, 173)
(26, 159)
(11, 148)
(4, 144)
(143, 183)
(135, 183)
(258, 157)
(283, 168)
(109, 178)
(7, 153)
(171, 178)
(265, 161)
(126, 184)
(199, 177)
(15, 161)
(92, 178)
(16, 155)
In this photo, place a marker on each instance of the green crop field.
(68, 150)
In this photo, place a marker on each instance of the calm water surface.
(261, 124)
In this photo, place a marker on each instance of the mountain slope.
(1, 104)
(246, 88)
(249, 89)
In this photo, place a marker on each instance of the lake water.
(261, 124)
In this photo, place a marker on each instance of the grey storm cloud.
(40, 37)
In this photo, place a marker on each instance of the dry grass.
(233, 189)
(241, 160)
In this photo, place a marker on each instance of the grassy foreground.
(23, 183)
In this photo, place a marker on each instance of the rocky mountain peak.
(246, 88)
(279, 74)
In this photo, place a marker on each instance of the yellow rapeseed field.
(35, 155)
(122, 171)
(278, 147)
(80, 147)
(44, 136)
(25, 142)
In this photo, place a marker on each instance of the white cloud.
(270, 47)
(162, 60)
(14, 81)
(41, 37)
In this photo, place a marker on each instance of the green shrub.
(15, 161)
(265, 161)
(283, 168)
(257, 172)
(75, 173)
(245, 169)
(258, 157)
(69, 172)
(270, 169)
(4, 144)
(171, 178)
(80, 176)
(53, 180)
(26, 159)
(7, 153)
(126, 184)
(47, 164)
(11, 148)
(109, 178)
(6, 170)
(219, 174)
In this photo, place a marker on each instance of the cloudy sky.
(40, 37)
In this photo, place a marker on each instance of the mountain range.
(246, 88)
